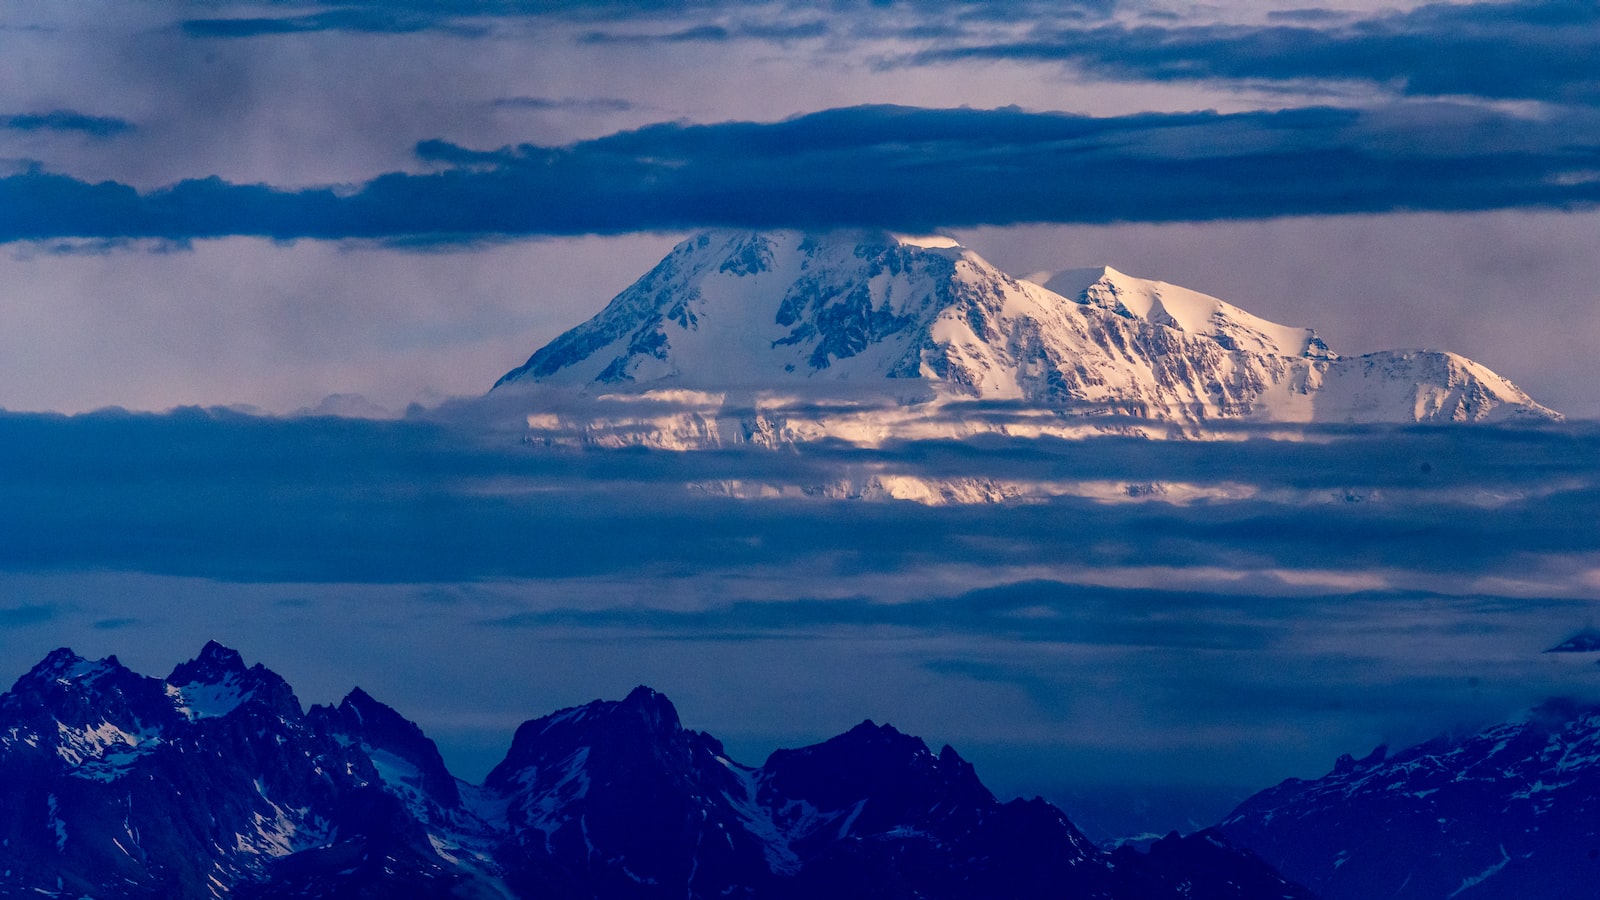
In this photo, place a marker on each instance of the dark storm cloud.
(474, 18)
(66, 120)
(884, 166)
(580, 104)
(714, 34)
(115, 624)
(381, 16)
(1041, 611)
(342, 539)
(1530, 49)
(228, 496)
(369, 20)
(696, 34)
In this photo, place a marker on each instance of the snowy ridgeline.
(783, 337)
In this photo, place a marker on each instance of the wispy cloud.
(1528, 50)
(781, 20)
(579, 104)
(713, 34)
(463, 18)
(27, 614)
(1109, 633)
(224, 495)
(66, 120)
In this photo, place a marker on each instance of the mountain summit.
(794, 312)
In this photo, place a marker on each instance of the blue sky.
(262, 204)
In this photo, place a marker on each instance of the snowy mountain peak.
(775, 308)
(63, 679)
(217, 682)
(1171, 306)
(909, 319)
(61, 662)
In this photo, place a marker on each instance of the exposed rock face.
(213, 782)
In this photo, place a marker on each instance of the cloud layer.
(882, 166)
(426, 500)
(1525, 50)
(1376, 584)
(66, 120)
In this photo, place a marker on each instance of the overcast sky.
(264, 204)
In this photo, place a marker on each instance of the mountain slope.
(214, 782)
(906, 319)
(1511, 812)
(113, 784)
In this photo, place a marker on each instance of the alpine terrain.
(214, 782)
(736, 337)
(1508, 813)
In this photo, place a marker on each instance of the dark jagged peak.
(891, 774)
(643, 723)
(644, 711)
(653, 708)
(612, 799)
(216, 683)
(1346, 763)
(216, 663)
(65, 667)
(76, 689)
(406, 759)
(87, 715)
(1199, 865)
(622, 789)
(55, 663)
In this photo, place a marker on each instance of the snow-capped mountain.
(748, 321)
(1508, 813)
(213, 781)
(208, 782)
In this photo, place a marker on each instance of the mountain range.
(738, 337)
(1506, 813)
(214, 781)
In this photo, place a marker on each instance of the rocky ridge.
(1512, 811)
(214, 782)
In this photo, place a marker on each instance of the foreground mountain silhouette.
(214, 782)
(925, 322)
(1508, 813)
